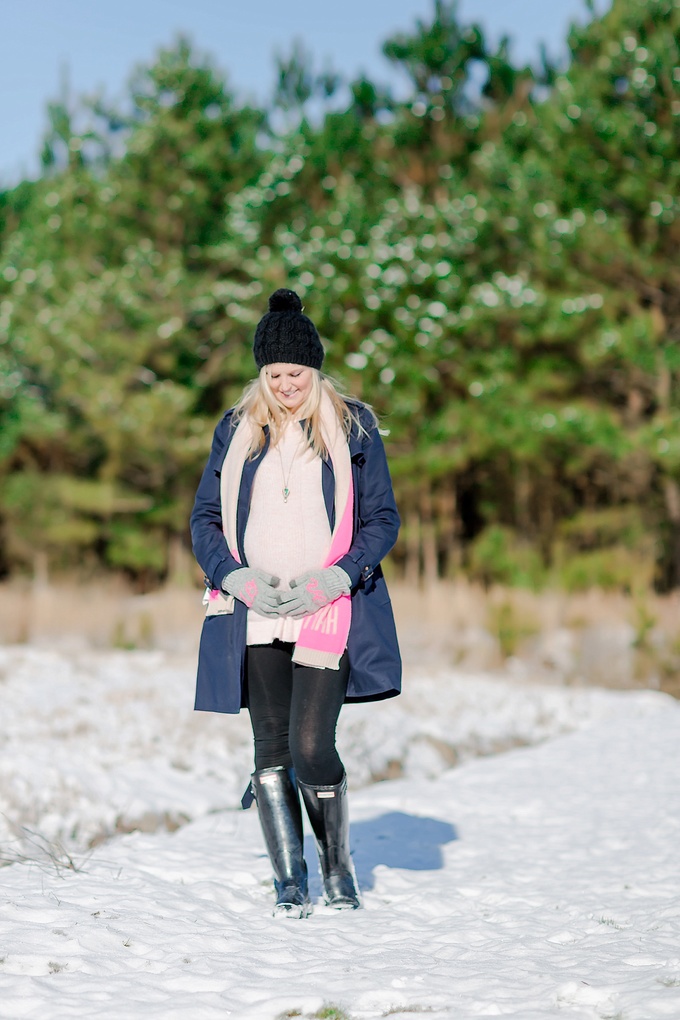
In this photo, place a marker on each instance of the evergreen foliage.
(493, 267)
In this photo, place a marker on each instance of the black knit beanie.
(285, 335)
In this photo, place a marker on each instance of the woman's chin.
(290, 406)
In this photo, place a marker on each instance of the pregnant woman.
(293, 514)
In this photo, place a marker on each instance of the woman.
(292, 517)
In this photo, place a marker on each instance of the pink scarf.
(323, 637)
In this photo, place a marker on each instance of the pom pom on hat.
(283, 300)
(285, 335)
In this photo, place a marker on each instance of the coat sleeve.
(207, 537)
(378, 518)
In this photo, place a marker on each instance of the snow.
(537, 878)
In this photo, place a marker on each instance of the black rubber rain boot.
(329, 817)
(278, 806)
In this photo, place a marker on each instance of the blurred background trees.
(491, 258)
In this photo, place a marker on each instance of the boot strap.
(248, 797)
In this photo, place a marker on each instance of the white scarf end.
(316, 658)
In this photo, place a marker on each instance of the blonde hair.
(259, 405)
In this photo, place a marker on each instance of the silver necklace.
(285, 490)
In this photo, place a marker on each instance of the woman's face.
(290, 384)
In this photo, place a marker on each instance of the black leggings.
(294, 712)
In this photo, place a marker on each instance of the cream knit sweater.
(286, 538)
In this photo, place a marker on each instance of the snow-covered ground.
(538, 878)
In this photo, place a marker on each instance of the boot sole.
(292, 911)
(343, 904)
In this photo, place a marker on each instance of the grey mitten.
(314, 590)
(256, 589)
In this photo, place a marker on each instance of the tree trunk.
(447, 521)
(412, 570)
(672, 498)
(428, 537)
(41, 578)
(179, 562)
(546, 520)
(522, 499)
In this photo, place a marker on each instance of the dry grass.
(558, 636)
(612, 639)
(463, 604)
(103, 615)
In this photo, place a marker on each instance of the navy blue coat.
(374, 660)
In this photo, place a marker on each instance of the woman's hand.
(314, 590)
(256, 589)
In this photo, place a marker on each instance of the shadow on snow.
(395, 840)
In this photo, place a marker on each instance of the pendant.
(286, 493)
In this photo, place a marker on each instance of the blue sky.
(95, 44)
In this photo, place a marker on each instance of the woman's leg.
(317, 697)
(269, 680)
(269, 685)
